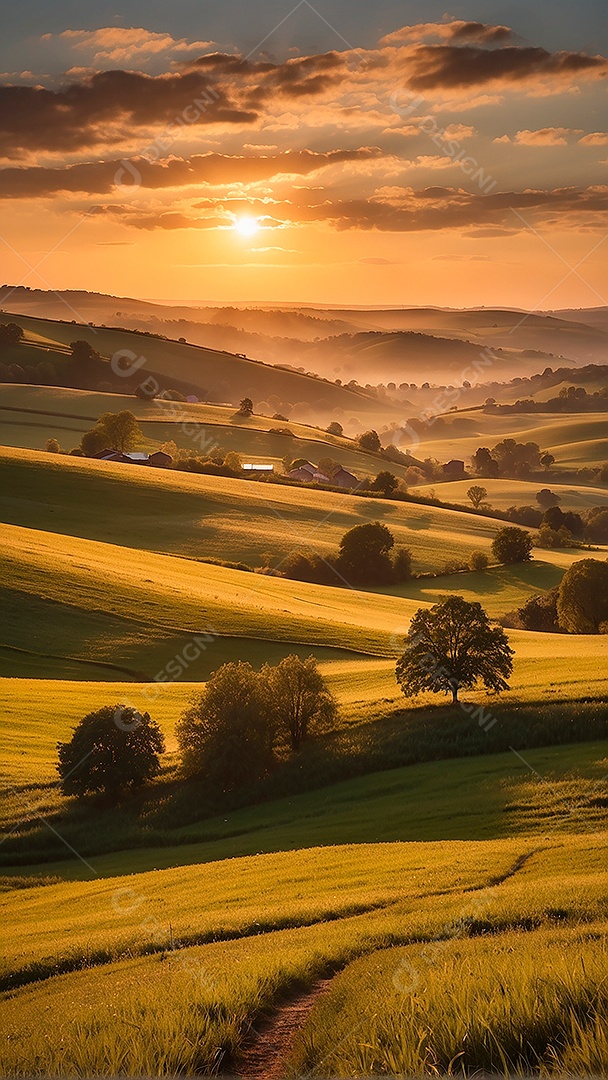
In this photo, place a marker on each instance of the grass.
(523, 1003)
(189, 1010)
(32, 414)
(444, 796)
(216, 517)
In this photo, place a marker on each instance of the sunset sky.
(332, 153)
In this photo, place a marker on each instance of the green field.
(292, 917)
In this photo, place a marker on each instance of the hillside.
(210, 374)
(370, 345)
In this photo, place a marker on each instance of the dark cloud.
(405, 211)
(441, 67)
(100, 177)
(85, 113)
(482, 32)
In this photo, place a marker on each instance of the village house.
(157, 459)
(307, 473)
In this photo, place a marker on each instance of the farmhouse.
(158, 459)
(307, 473)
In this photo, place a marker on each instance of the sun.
(246, 226)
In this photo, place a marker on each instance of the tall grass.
(512, 1005)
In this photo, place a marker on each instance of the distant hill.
(368, 345)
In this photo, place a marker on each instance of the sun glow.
(246, 226)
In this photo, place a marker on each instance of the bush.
(512, 545)
(52, 446)
(402, 564)
(478, 560)
(111, 750)
(540, 612)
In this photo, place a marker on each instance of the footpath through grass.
(188, 1010)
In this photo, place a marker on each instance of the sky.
(327, 153)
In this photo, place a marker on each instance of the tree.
(369, 440)
(478, 560)
(546, 498)
(301, 701)
(227, 735)
(122, 428)
(364, 554)
(512, 545)
(10, 334)
(596, 526)
(52, 446)
(540, 612)
(246, 407)
(483, 462)
(477, 495)
(582, 602)
(335, 428)
(111, 750)
(95, 440)
(385, 482)
(547, 460)
(453, 645)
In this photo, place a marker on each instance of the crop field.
(30, 415)
(216, 517)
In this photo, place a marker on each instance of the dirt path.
(264, 1057)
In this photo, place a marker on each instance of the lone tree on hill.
(364, 554)
(582, 601)
(111, 750)
(453, 645)
(246, 407)
(477, 494)
(512, 545)
(301, 701)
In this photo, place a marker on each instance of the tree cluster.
(578, 605)
(366, 556)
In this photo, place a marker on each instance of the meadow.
(190, 1009)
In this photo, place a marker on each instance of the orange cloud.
(549, 136)
(121, 44)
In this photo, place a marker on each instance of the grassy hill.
(30, 415)
(214, 375)
(573, 440)
(505, 493)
